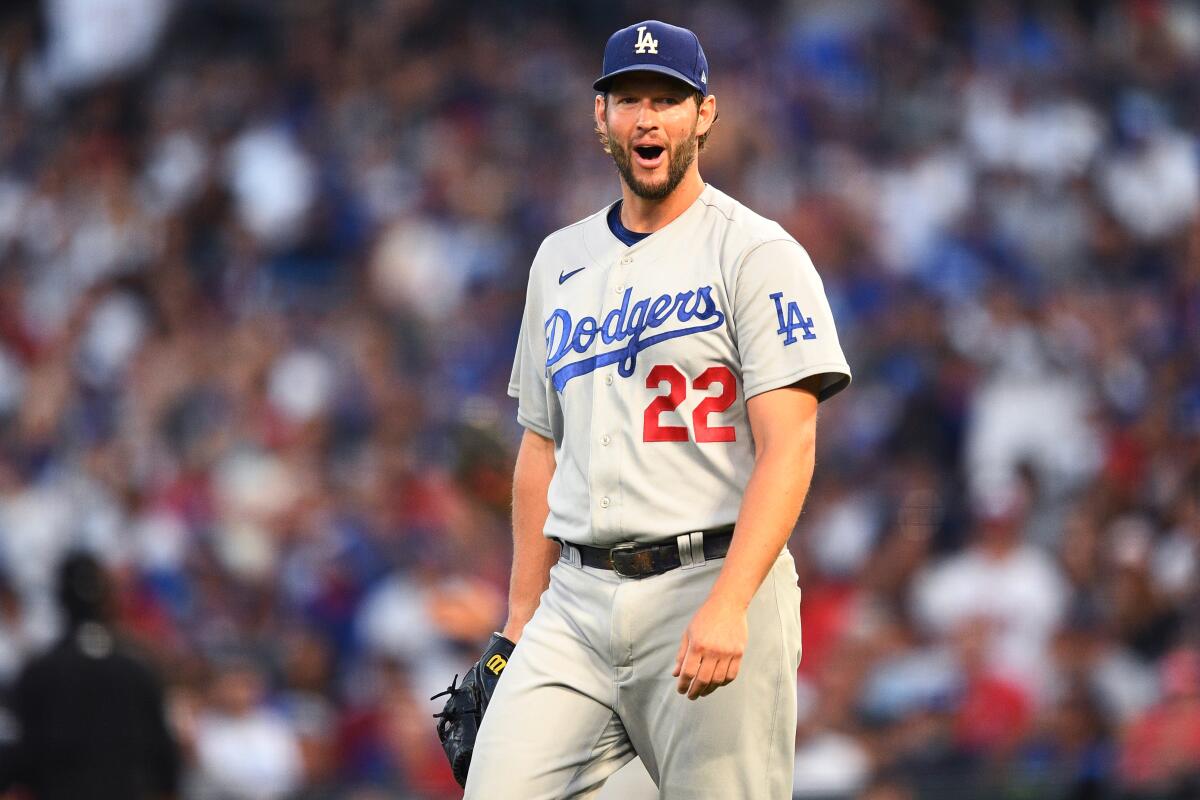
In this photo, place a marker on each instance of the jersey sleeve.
(783, 324)
(528, 383)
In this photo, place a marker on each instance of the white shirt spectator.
(274, 182)
(1154, 190)
(1126, 686)
(93, 39)
(1051, 140)
(250, 757)
(830, 764)
(395, 621)
(843, 533)
(918, 202)
(1022, 592)
(1059, 441)
(1175, 563)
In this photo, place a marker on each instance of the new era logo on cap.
(654, 46)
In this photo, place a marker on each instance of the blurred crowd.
(261, 270)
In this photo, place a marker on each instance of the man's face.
(651, 121)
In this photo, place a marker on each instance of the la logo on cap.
(645, 42)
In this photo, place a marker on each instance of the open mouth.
(649, 155)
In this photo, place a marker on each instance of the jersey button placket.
(604, 467)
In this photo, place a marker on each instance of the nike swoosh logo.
(562, 276)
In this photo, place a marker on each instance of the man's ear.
(707, 113)
(601, 124)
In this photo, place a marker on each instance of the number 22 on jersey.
(677, 386)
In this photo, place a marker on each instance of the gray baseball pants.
(589, 686)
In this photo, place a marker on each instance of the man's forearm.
(785, 432)
(772, 503)
(784, 428)
(533, 553)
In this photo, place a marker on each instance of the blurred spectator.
(1153, 183)
(305, 702)
(90, 716)
(993, 714)
(830, 760)
(383, 738)
(90, 40)
(1014, 587)
(423, 620)
(244, 749)
(1071, 755)
(1161, 751)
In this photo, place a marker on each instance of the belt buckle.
(627, 554)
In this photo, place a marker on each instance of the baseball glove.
(458, 722)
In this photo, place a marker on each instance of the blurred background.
(261, 270)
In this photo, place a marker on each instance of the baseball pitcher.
(674, 348)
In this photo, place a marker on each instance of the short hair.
(696, 95)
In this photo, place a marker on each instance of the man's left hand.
(710, 652)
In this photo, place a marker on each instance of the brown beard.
(678, 161)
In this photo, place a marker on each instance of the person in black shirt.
(90, 714)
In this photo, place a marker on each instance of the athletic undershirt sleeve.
(783, 324)
(528, 383)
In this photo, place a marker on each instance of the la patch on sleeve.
(795, 320)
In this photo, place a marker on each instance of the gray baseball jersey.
(638, 361)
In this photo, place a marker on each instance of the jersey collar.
(605, 247)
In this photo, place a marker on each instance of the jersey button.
(604, 501)
(627, 260)
(606, 440)
(608, 380)
(620, 287)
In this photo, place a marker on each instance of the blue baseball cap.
(654, 46)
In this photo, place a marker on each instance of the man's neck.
(646, 216)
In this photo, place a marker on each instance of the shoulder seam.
(716, 208)
(746, 222)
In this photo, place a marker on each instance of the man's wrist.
(514, 625)
(728, 600)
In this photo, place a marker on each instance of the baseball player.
(674, 348)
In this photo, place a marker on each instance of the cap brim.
(603, 83)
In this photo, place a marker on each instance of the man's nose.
(647, 118)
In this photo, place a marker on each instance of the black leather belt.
(634, 560)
